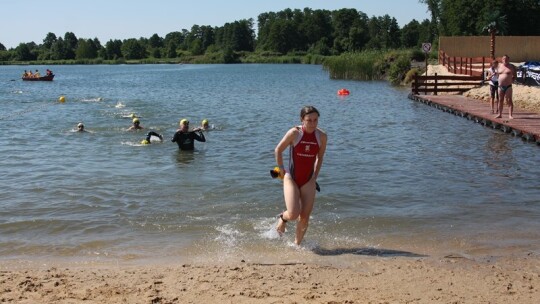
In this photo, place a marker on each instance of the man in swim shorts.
(507, 74)
(307, 144)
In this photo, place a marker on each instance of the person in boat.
(49, 72)
(25, 73)
(36, 74)
(136, 125)
(307, 144)
(29, 74)
(186, 138)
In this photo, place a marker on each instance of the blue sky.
(31, 20)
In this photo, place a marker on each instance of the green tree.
(320, 47)
(2, 47)
(70, 45)
(133, 49)
(49, 40)
(5, 55)
(282, 36)
(23, 52)
(410, 34)
(155, 41)
(434, 7)
(196, 47)
(59, 50)
(113, 49)
(171, 49)
(97, 43)
(316, 27)
(86, 49)
(176, 37)
(238, 36)
(264, 22)
(343, 20)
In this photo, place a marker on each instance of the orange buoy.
(343, 92)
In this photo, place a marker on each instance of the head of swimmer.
(184, 125)
(309, 116)
(80, 127)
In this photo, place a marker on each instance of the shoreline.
(374, 279)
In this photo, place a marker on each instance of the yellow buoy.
(61, 99)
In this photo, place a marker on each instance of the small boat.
(42, 78)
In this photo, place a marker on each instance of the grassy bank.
(394, 65)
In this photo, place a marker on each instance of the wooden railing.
(472, 66)
(448, 84)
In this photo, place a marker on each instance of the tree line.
(307, 31)
(320, 32)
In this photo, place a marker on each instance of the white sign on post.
(426, 47)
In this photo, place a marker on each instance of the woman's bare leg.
(292, 203)
(307, 200)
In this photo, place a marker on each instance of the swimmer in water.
(80, 127)
(148, 138)
(186, 138)
(136, 125)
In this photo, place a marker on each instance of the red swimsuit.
(304, 152)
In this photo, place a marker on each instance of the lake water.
(399, 178)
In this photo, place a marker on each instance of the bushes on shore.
(393, 65)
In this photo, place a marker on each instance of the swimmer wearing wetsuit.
(507, 74)
(149, 135)
(185, 138)
(307, 145)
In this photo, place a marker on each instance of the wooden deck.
(525, 124)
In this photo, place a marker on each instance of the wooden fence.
(448, 84)
(519, 48)
(472, 66)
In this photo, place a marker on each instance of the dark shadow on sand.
(367, 251)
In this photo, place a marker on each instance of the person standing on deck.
(493, 77)
(507, 74)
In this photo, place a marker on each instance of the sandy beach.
(449, 279)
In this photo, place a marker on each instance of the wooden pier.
(525, 124)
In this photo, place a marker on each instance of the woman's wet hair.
(308, 110)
